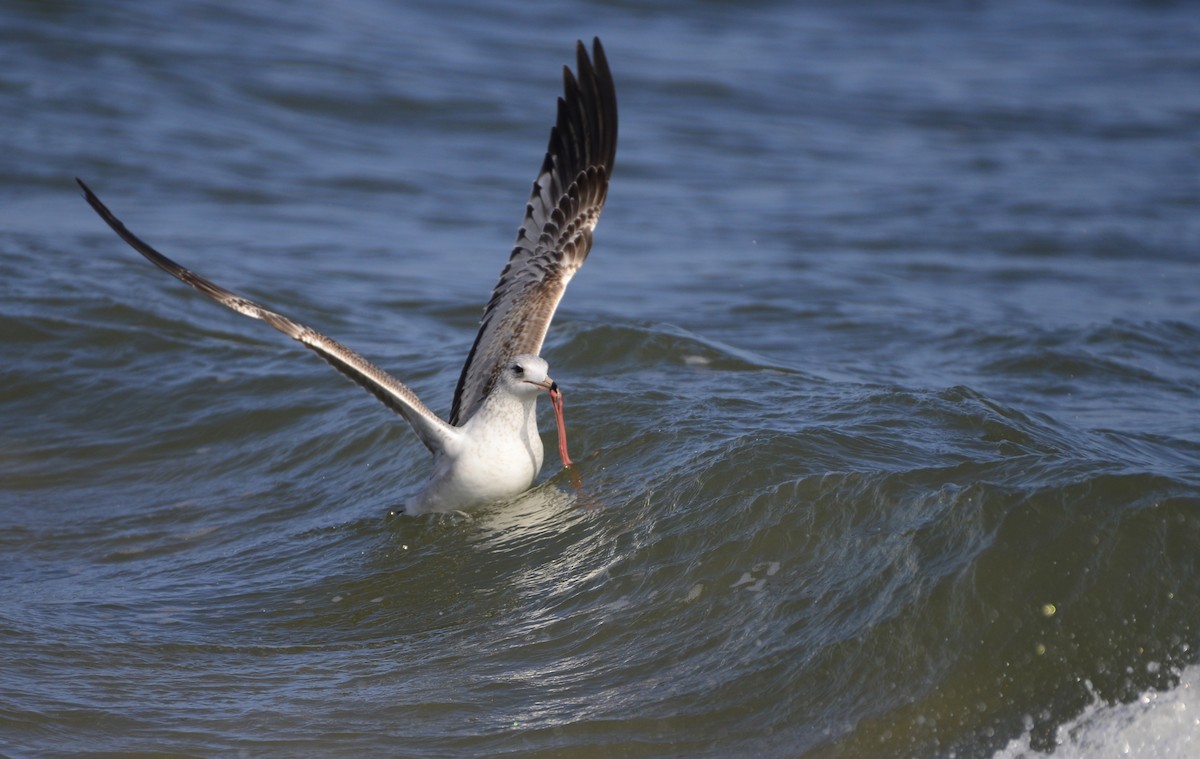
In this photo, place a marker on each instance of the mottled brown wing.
(434, 433)
(556, 235)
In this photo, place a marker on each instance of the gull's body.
(497, 452)
(489, 449)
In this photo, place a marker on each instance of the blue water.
(883, 380)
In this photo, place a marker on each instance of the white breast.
(497, 456)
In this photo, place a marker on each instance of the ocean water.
(883, 383)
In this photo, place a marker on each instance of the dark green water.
(883, 379)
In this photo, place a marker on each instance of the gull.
(489, 449)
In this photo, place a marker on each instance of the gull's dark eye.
(518, 369)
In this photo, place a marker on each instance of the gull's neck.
(506, 415)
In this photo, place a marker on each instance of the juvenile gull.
(489, 449)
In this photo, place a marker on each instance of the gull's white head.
(525, 376)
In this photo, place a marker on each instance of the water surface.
(883, 381)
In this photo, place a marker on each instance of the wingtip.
(595, 59)
(599, 59)
(92, 199)
(583, 61)
(97, 206)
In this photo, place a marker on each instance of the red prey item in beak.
(556, 400)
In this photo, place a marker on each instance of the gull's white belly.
(488, 464)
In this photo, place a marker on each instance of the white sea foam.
(1159, 725)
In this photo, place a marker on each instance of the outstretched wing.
(556, 235)
(434, 433)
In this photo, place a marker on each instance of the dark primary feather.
(556, 234)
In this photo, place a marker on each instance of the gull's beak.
(548, 385)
